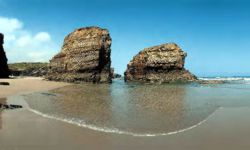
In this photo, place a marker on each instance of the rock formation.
(4, 105)
(115, 75)
(163, 63)
(4, 70)
(4, 83)
(11, 106)
(85, 57)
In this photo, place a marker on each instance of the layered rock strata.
(163, 63)
(85, 57)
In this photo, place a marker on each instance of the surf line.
(81, 123)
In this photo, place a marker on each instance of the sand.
(27, 85)
(22, 130)
(227, 128)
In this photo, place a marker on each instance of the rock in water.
(163, 63)
(115, 75)
(85, 57)
(4, 83)
(4, 70)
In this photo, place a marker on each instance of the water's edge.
(122, 109)
(117, 131)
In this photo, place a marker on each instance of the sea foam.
(81, 123)
(226, 78)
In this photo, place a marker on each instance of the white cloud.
(42, 37)
(23, 41)
(21, 45)
(9, 25)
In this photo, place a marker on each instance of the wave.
(247, 79)
(81, 123)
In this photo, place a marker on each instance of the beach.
(24, 130)
(124, 75)
(27, 85)
(227, 128)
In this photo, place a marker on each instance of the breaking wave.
(246, 79)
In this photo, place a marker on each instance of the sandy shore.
(228, 128)
(22, 130)
(27, 85)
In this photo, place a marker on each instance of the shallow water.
(138, 109)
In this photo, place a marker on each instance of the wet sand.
(27, 85)
(228, 128)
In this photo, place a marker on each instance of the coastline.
(25, 85)
(44, 133)
(228, 128)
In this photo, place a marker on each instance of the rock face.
(4, 70)
(85, 57)
(163, 63)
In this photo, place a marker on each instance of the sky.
(214, 33)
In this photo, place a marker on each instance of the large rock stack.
(4, 70)
(85, 57)
(163, 63)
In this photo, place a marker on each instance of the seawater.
(139, 109)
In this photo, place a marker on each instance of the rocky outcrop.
(115, 75)
(211, 81)
(163, 63)
(85, 57)
(4, 70)
(11, 106)
(4, 83)
(4, 105)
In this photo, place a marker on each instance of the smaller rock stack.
(4, 70)
(163, 63)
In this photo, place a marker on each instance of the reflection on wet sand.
(131, 108)
(135, 108)
(2, 101)
(148, 108)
